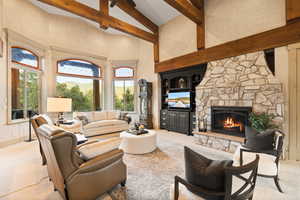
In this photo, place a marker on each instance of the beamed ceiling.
(158, 11)
(142, 21)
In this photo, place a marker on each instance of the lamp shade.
(59, 104)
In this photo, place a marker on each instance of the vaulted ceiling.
(157, 11)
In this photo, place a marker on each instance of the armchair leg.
(123, 183)
(176, 189)
(277, 184)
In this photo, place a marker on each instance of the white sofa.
(101, 122)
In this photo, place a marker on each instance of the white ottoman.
(138, 144)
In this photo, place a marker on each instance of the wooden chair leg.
(277, 184)
(176, 189)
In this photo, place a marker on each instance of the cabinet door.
(183, 122)
(172, 121)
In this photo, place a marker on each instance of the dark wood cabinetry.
(180, 120)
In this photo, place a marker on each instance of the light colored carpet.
(149, 176)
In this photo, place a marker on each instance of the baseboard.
(9, 142)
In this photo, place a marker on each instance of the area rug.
(151, 175)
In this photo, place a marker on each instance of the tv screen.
(179, 100)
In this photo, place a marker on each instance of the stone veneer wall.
(240, 81)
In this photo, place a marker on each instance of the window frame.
(99, 78)
(30, 66)
(133, 78)
(27, 68)
(123, 77)
(76, 75)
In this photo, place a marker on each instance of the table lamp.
(59, 105)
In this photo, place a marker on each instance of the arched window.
(25, 83)
(124, 88)
(80, 80)
(123, 72)
(24, 57)
(78, 68)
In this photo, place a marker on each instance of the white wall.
(73, 35)
(224, 21)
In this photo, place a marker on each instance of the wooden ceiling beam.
(97, 16)
(198, 3)
(133, 12)
(277, 37)
(104, 8)
(187, 9)
(200, 28)
(292, 10)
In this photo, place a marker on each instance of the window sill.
(18, 121)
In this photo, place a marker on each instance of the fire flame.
(230, 123)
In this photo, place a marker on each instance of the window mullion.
(124, 99)
(25, 93)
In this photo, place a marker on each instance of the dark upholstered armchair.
(84, 172)
(213, 180)
(269, 159)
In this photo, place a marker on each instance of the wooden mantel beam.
(187, 9)
(97, 16)
(277, 37)
(133, 12)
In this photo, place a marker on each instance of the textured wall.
(224, 21)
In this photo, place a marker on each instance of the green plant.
(262, 121)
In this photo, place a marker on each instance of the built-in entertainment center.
(178, 98)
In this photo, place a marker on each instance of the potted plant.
(260, 133)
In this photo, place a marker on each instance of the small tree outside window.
(124, 87)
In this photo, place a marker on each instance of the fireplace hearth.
(230, 120)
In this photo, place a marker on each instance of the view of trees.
(25, 93)
(125, 102)
(80, 101)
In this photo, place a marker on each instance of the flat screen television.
(179, 100)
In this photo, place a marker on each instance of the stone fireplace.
(243, 81)
(230, 120)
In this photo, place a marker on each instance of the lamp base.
(60, 118)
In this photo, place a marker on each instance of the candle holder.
(202, 125)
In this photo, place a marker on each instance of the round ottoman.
(138, 144)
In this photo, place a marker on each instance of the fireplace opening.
(230, 120)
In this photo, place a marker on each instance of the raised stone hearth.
(218, 141)
(240, 81)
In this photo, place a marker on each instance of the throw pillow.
(123, 116)
(40, 120)
(259, 141)
(205, 173)
(83, 119)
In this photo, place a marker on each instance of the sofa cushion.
(100, 115)
(92, 150)
(203, 172)
(104, 123)
(112, 115)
